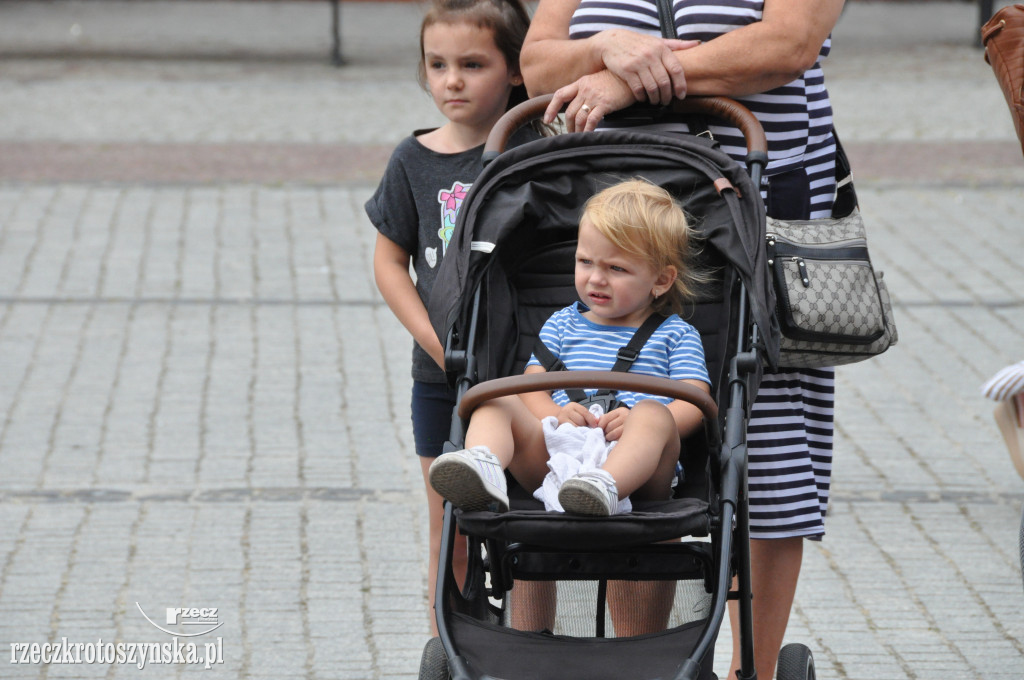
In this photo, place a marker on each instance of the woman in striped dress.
(601, 56)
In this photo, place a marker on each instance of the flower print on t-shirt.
(451, 201)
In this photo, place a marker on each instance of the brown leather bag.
(1003, 38)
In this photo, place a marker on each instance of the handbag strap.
(846, 195)
(667, 19)
(698, 124)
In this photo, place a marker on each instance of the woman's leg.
(775, 569)
(532, 605)
(789, 439)
(640, 607)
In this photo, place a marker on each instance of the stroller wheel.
(795, 663)
(433, 663)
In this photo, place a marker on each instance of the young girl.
(631, 262)
(469, 62)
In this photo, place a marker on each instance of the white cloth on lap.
(572, 450)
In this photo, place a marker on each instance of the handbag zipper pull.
(802, 268)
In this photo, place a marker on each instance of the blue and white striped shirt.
(673, 351)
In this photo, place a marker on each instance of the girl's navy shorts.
(432, 407)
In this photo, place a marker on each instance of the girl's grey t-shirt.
(415, 206)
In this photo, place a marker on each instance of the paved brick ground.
(204, 402)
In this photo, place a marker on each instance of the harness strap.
(624, 358)
(846, 195)
(627, 355)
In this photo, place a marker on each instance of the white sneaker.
(590, 493)
(472, 479)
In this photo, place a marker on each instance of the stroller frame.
(728, 553)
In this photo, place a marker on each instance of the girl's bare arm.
(391, 272)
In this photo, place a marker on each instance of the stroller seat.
(528, 522)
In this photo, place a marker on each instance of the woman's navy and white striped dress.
(790, 430)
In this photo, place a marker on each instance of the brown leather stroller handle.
(719, 107)
(730, 110)
(515, 118)
(537, 382)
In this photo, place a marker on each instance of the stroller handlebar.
(717, 107)
(537, 382)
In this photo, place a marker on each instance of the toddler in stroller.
(632, 260)
(513, 262)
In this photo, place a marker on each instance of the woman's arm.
(763, 55)
(646, 64)
(391, 272)
(549, 59)
(751, 59)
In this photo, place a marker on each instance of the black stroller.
(509, 266)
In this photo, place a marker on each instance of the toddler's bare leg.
(514, 435)
(644, 460)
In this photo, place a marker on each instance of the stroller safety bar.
(536, 382)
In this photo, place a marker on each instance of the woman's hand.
(613, 422)
(576, 414)
(645, 63)
(589, 100)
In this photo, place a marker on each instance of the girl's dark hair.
(508, 20)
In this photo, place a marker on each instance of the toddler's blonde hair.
(642, 219)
